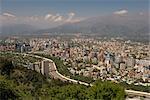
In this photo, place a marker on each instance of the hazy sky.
(81, 7)
(61, 11)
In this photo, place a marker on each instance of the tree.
(77, 92)
(6, 66)
(106, 91)
(7, 90)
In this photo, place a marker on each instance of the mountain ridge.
(129, 26)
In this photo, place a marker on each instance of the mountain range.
(17, 29)
(131, 26)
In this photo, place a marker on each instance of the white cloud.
(121, 12)
(49, 20)
(9, 15)
(48, 16)
(70, 16)
(59, 18)
(54, 18)
(8, 18)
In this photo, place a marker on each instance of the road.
(54, 72)
(138, 93)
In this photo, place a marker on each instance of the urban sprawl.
(112, 59)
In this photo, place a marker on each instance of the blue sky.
(81, 7)
(51, 13)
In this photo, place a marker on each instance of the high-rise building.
(101, 56)
(37, 66)
(130, 62)
(45, 68)
(118, 58)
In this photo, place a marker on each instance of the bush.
(106, 91)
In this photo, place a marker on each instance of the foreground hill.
(17, 83)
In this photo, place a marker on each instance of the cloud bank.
(121, 12)
(47, 20)
(9, 15)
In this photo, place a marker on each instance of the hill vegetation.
(17, 82)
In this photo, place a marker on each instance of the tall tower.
(101, 56)
(45, 67)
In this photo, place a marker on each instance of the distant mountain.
(17, 29)
(130, 26)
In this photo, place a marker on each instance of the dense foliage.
(17, 82)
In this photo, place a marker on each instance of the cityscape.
(75, 57)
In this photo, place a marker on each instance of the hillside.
(18, 83)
